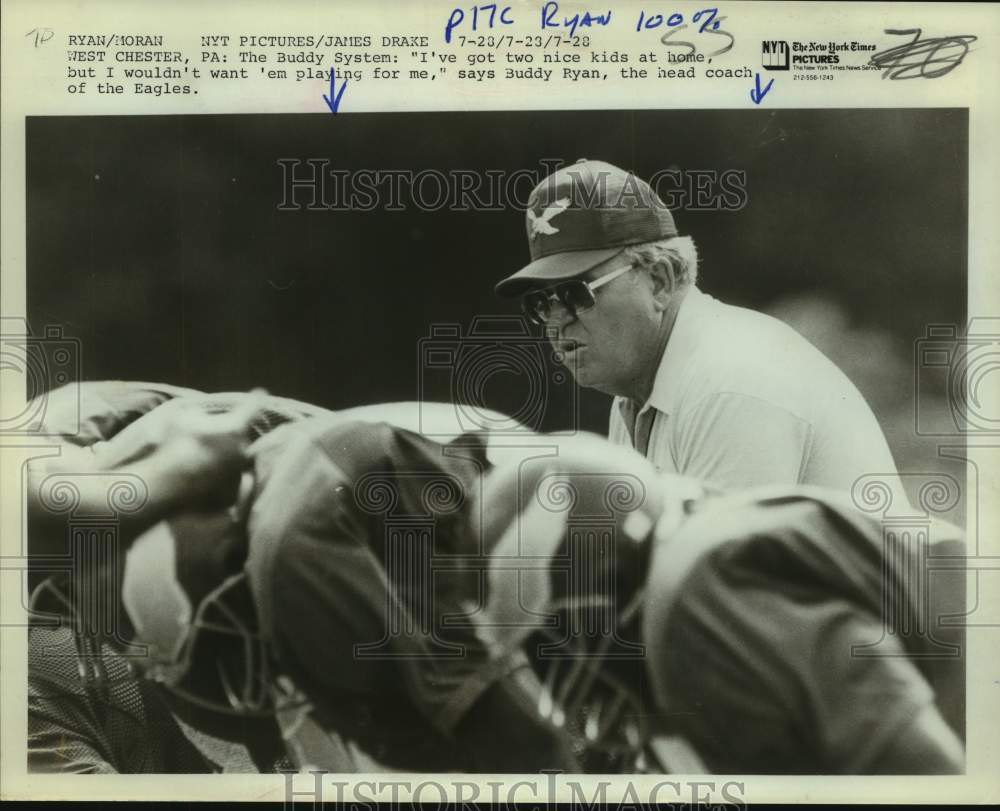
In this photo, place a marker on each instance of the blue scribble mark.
(757, 94)
(457, 16)
(709, 14)
(587, 20)
(333, 100)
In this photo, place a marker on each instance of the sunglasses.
(576, 295)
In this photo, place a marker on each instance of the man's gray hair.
(679, 254)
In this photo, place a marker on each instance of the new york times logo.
(777, 54)
(774, 54)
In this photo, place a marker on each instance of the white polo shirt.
(742, 400)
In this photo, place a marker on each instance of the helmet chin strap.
(309, 746)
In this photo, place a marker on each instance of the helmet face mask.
(592, 688)
(211, 656)
(566, 585)
(201, 634)
(222, 663)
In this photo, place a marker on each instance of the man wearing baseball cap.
(701, 388)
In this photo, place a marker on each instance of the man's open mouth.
(568, 345)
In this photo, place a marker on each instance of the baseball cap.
(582, 215)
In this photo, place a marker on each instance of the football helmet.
(566, 584)
(178, 608)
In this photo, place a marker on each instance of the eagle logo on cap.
(540, 222)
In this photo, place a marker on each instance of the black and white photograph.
(587, 441)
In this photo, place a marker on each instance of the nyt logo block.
(774, 54)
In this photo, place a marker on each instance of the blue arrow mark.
(333, 100)
(756, 94)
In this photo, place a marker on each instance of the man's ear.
(663, 283)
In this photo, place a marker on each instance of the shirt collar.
(683, 338)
